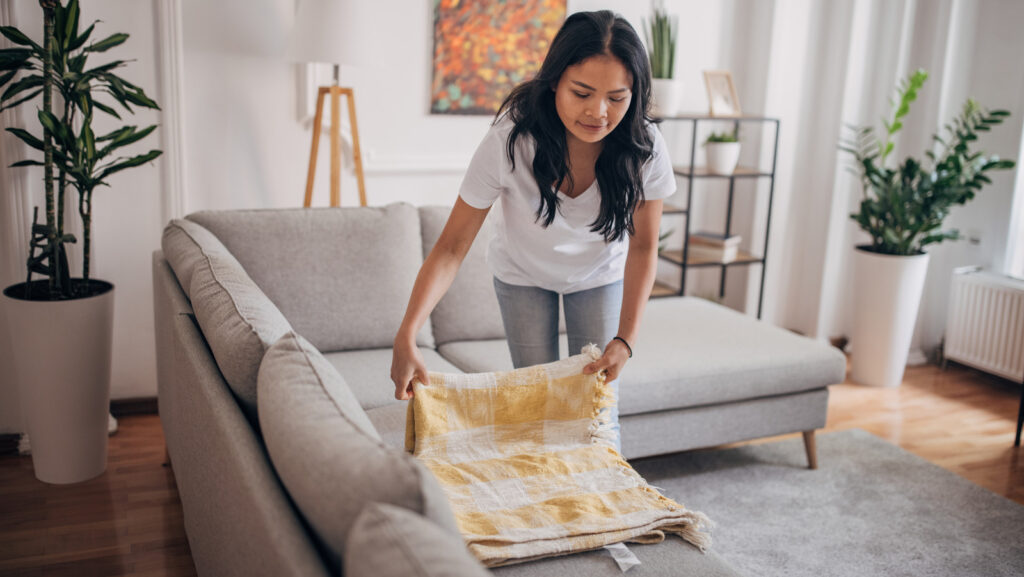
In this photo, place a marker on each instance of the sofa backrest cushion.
(341, 276)
(238, 321)
(469, 310)
(327, 453)
(389, 541)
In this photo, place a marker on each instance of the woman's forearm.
(641, 269)
(435, 276)
(440, 267)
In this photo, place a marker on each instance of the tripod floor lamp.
(318, 37)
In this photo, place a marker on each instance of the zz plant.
(82, 159)
(903, 206)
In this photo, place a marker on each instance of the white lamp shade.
(324, 32)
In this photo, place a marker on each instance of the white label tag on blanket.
(625, 558)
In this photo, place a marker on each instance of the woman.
(580, 173)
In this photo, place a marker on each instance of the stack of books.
(713, 246)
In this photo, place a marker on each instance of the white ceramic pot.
(62, 352)
(722, 156)
(667, 95)
(887, 295)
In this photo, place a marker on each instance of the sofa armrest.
(238, 517)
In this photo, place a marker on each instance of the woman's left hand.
(614, 358)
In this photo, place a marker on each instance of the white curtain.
(818, 65)
(15, 214)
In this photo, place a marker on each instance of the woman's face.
(592, 97)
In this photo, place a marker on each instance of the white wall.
(991, 71)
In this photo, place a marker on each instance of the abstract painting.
(483, 48)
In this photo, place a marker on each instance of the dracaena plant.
(82, 159)
(903, 206)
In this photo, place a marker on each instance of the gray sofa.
(274, 330)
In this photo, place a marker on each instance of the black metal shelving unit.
(691, 172)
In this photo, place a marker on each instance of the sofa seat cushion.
(389, 421)
(692, 352)
(389, 541)
(368, 373)
(342, 277)
(238, 321)
(327, 453)
(487, 356)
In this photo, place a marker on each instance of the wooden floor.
(129, 522)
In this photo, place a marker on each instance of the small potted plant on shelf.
(61, 327)
(722, 151)
(660, 33)
(902, 209)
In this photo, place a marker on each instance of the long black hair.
(619, 169)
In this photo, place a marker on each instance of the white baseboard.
(917, 358)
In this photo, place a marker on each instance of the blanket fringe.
(694, 531)
(602, 429)
(692, 526)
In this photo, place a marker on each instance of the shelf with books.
(676, 256)
(703, 172)
(712, 253)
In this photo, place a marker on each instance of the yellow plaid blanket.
(525, 458)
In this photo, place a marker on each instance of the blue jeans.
(530, 315)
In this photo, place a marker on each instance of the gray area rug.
(870, 508)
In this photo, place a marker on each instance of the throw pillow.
(327, 453)
(388, 541)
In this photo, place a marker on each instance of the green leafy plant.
(662, 238)
(82, 159)
(903, 207)
(722, 137)
(660, 34)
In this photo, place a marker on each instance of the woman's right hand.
(407, 367)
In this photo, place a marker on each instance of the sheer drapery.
(15, 214)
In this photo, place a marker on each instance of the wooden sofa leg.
(812, 450)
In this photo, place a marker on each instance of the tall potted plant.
(62, 326)
(902, 209)
(660, 33)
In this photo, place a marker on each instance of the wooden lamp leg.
(812, 450)
(317, 125)
(335, 92)
(357, 156)
(335, 146)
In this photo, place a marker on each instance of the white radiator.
(985, 326)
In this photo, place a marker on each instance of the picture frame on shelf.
(722, 99)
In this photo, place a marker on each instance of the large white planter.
(61, 352)
(887, 295)
(667, 95)
(721, 157)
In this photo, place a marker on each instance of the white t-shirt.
(566, 256)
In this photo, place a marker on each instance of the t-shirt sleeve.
(659, 180)
(482, 184)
